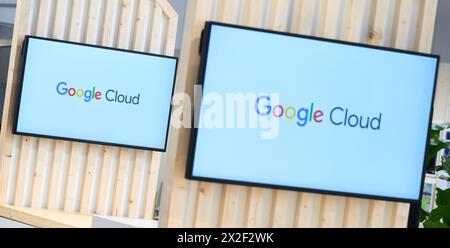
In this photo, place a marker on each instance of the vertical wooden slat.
(95, 21)
(46, 18)
(260, 200)
(152, 185)
(156, 33)
(111, 23)
(75, 177)
(58, 178)
(380, 214)
(402, 35)
(78, 150)
(143, 23)
(210, 194)
(357, 29)
(41, 180)
(44, 158)
(234, 206)
(105, 191)
(136, 201)
(181, 197)
(28, 145)
(284, 201)
(307, 9)
(123, 182)
(234, 198)
(403, 27)
(78, 22)
(260, 208)
(26, 171)
(308, 210)
(63, 14)
(125, 166)
(108, 177)
(91, 179)
(209, 204)
(10, 147)
(285, 209)
(94, 152)
(59, 166)
(426, 25)
(333, 17)
(228, 11)
(171, 36)
(8, 174)
(381, 33)
(254, 12)
(332, 213)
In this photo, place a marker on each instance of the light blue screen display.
(351, 119)
(95, 94)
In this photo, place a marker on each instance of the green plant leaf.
(432, 224)
(447, 220)
(439, 213)
(443, 197)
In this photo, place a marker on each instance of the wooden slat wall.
(80, 177)
(442, 98)
(406, 24)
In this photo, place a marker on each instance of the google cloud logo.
(338, 116)
(95, 95)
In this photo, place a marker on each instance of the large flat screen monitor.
(94, 94)
(303, 113)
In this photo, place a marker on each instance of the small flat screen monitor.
(94, 94)
(310, 114)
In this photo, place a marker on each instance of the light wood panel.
(442, 98)
(79, 177)
(406, 24)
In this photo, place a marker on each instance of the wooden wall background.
(442, 98)
(78, 177)
(405, 24)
